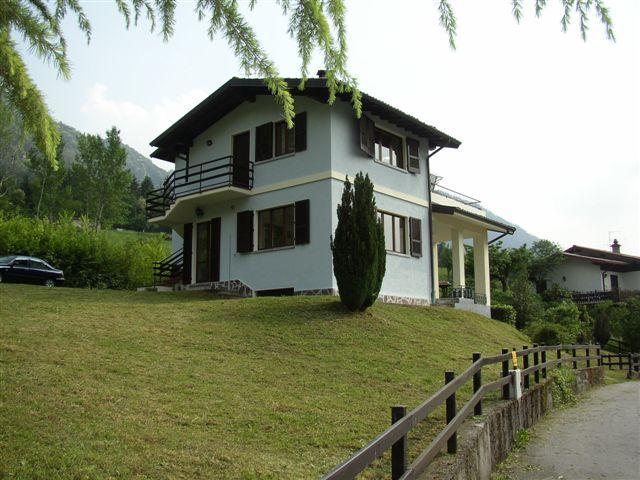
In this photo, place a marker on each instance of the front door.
(614, 282)
(241, 160)
(187, 247)
(208, 251)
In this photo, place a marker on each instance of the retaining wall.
(483, 444)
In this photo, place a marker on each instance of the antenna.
(610, 235)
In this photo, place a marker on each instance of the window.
(275, 227)
(394, 232)
(22, 263)
(413, 155)
(388, 148)
(285, 139)
(38, 265)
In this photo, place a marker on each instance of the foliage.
(544, 332)
(546, 256)
(556, 294)
(630, 324)
(88, 258)
(523, 436)
(527, 304)
(359, 256)
(504, 313)
(610, 313)
(602, 329)
(499, 264)
(567, 316)
(101, 176)
(562, 387)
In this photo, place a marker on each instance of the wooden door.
(241, 160)
(215, 249)
(208, 251)
(187, 249)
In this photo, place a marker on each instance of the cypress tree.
(359, 256)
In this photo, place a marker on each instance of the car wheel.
(1, 279)
(49, 283)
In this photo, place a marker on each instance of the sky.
(549, 124)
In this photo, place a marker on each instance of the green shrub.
(501, 297)
(630, 325)
(503, 313)
(556, 294)
(562, 387)
(543, 332)
(525, 300)
(601, 330)
(88, 258)
(567, 316)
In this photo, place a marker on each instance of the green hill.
(112, 384)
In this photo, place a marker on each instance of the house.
(252, 204)
(593, 274)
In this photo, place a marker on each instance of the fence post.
(525, 365)
(559, 355)
(575, 362)
(398, 449)
(630, 365)
(599, 359)
(620, 360)
(505, 373)
(536, 362)
(477, 383)
(452, 443)
(543, 354)
(586, 352)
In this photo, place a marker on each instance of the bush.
(546, 332)
(602, 330)
(556, 294)
(566, 316)
(88, 258)
(527, 304)
(503, 313)
(630, 325)
(501, 297)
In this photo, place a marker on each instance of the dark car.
(22, 269)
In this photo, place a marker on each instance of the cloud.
(138, 124)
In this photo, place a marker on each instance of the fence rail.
(629, 360)
(395, 437)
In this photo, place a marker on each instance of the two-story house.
(252, 204)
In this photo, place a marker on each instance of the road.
(597, 439)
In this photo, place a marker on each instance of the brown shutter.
(264, 142)
(413, 155)
(301, 131)
(415, 234)
(245, 232)
(302, 222)
(367, 135)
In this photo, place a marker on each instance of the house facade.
(252, 204)
(588, 272)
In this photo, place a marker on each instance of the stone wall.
(484, 444)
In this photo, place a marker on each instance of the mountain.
(519, 238)
(137, 163)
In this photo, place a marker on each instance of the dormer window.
(388, 148)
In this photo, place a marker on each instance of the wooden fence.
(395, 437)
(620, 360)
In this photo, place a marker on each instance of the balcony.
(466, 200)
(221, 174)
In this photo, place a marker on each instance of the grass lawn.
(123, 236)
(112, 384)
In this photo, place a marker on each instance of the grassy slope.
(123, 236)
(106, 384)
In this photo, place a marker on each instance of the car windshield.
(6, 260)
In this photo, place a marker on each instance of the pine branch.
(516, 8)
(448, 21)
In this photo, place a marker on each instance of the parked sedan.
(22, 269)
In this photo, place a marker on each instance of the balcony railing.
(221, 172)
(447, 192)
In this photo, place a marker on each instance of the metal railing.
(458, 292)
(588, 298)
(447, 192)
(220, 172)
(394, 438)
(169, 270)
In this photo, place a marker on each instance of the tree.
(146, 186)
(12, 153)
(525, 301)
(359, 255)
(546, 256)
(499, 264)
(312, 23)
(100, 177)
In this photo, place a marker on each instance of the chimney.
(321, 73)
(615, 246)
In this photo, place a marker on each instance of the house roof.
(615, 261)
(179, 136)
(490, 224)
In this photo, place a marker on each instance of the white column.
(436, 274)
(457, 257)
(481, 266)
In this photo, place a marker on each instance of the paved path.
(597, 439)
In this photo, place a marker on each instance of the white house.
(253, 205)
(587, 270)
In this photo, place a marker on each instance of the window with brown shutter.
(275, 227)
(285, 139)
(302, 222)
(415, 235)
(264, 142)
(394, 227)
(367, 135)
(413, 156)
(245, 232)
(300, 132)
(388, 148)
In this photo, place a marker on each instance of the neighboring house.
(253, 205)
(587, 271)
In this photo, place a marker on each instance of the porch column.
(457, 257)
(436, 274)
(481, 266)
